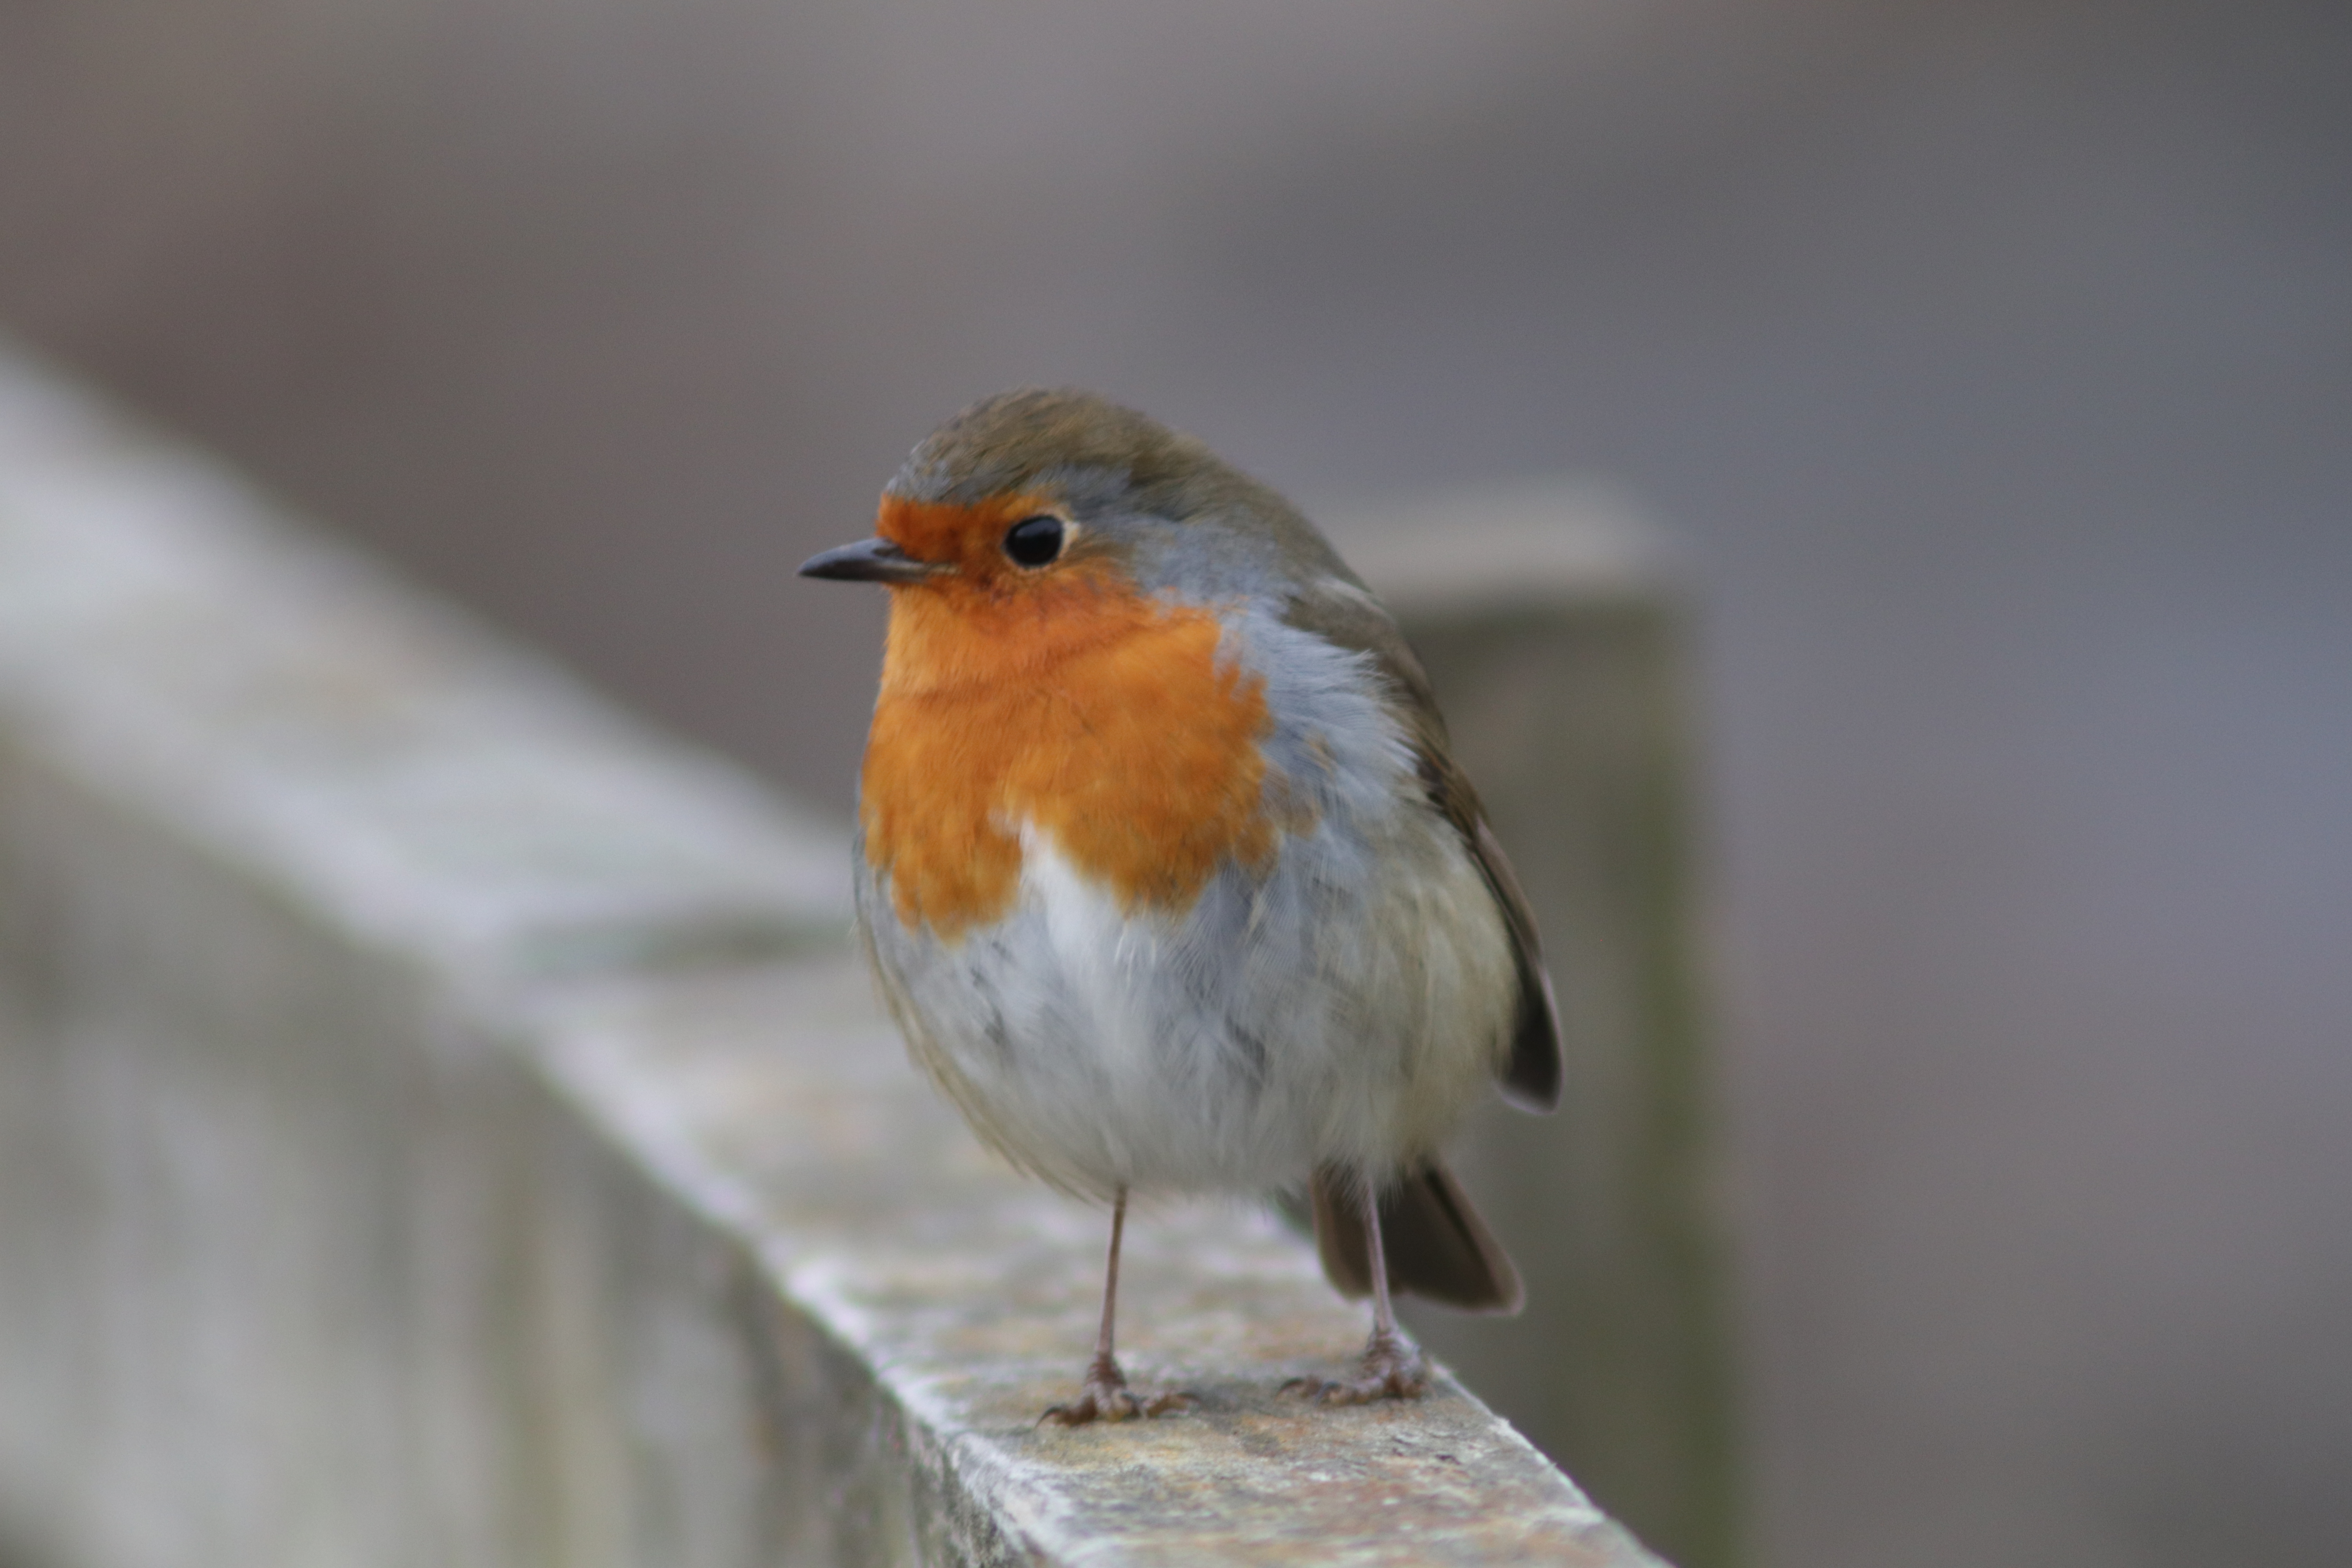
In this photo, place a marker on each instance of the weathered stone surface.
(976, 1294)
(439, 1124)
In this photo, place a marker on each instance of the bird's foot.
(1105, 1396)
(1390, 1368)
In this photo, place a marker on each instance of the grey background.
(1992, 365)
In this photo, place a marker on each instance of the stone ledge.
(973, 1296)
(673, 1259)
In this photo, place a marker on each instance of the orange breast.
(1081, 707)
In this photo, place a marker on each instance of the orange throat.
(1077, 709)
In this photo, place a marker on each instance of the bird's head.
(1046, 503)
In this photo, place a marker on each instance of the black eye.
(1034, 540)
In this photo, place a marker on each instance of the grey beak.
(868, 560)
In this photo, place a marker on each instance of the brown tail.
(1437, 1246)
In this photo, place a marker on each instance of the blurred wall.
(1994, 362)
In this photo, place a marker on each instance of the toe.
(1379, 1376)
(1099, 1402)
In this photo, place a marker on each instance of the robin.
(1164, 866)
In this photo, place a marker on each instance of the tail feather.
(1336, 1200)
(1435, 1244)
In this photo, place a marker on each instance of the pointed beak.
(868, 560)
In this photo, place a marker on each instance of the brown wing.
(1349, 617)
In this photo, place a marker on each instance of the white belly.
(1347, 1008)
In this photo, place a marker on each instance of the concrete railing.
(441, 1123)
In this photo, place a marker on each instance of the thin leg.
(1383, 1315)
(1103, 1367)
(1390, 1368)
(1104, 1396)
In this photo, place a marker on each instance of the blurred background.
(1991, 365)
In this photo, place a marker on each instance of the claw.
(1390, 1370)
(1114, 1405)
(1105, 1396)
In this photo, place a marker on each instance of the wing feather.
(1346, 615)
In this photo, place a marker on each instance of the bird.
(1166, 870)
